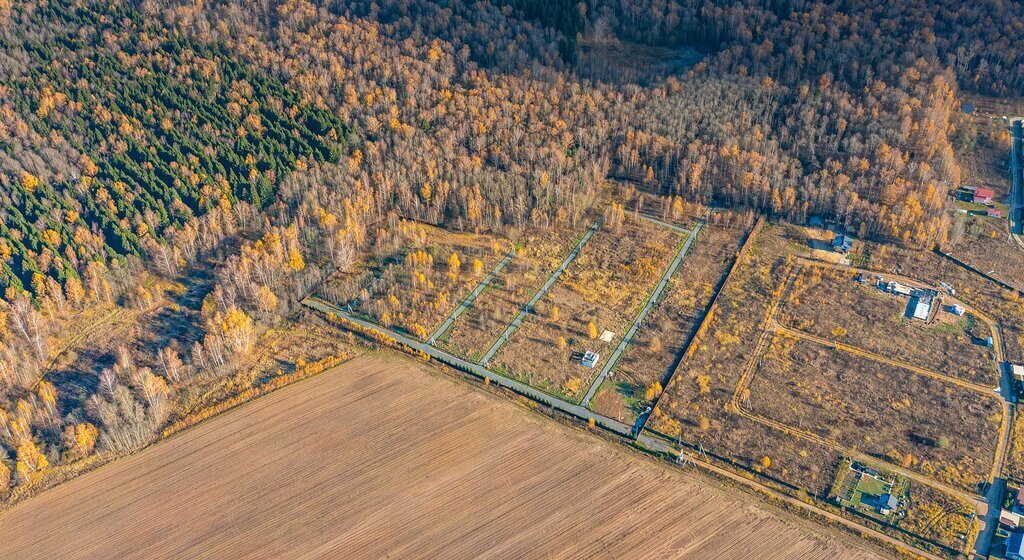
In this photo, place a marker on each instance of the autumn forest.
(250, 149)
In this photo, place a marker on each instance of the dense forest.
(292, 135)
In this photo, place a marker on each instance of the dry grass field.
(381, 459)
(538, 255)
(670, 325)
(425, 275)
(884, 411)
(829, 304)
(983, 242)
(606, 285)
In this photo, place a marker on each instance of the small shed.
(1008, 519)
(607, 336)
(590, 359)
(993, 213)
(1018, 374)
(957, 310)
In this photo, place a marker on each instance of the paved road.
(471, 297)
(1016, 194)
(655, 296)
(646, 441)
(528, 308)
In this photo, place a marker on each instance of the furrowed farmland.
(368, 459)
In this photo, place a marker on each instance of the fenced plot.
(657, 346)
(424, 275)
(830, 304)
(602, 290)
(943, 431)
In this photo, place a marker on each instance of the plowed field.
(380, 459)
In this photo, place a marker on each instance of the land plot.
(938, 517)
(538, 255)
(929, 514)
(606, 286)
(425, 273)
(695, 406)
(933, 427)
(829, 304)
(1015, 455)
(382, 459)
(657, 346)
(984, 295)
(983, 242)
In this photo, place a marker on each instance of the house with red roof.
(983, 196)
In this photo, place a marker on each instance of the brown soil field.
(607, 284)
(879, 409)
(670, 325)
(538, 256)
(829, 304)
(379, 458)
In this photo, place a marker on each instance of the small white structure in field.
(607, 336)
(590, 359)
(957, 310)
(1018, 374)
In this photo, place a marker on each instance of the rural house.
(983, 196)
(1015, 546)
(842, 244)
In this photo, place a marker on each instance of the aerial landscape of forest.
(767, 252)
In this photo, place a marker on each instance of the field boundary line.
(705, 320)
(528, 307)
(779, 328)
(477, 370)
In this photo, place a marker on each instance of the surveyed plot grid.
(771, 328)
(532, 327)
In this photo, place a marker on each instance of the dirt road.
(381, 459)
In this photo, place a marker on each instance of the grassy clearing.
(984, 243)
(423, 277)
(538, 256)
(670, 325)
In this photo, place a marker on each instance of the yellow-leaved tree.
(238, 330)
(454, 265)
(80, 440)
(31, 462)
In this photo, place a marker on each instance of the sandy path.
(448, 472)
